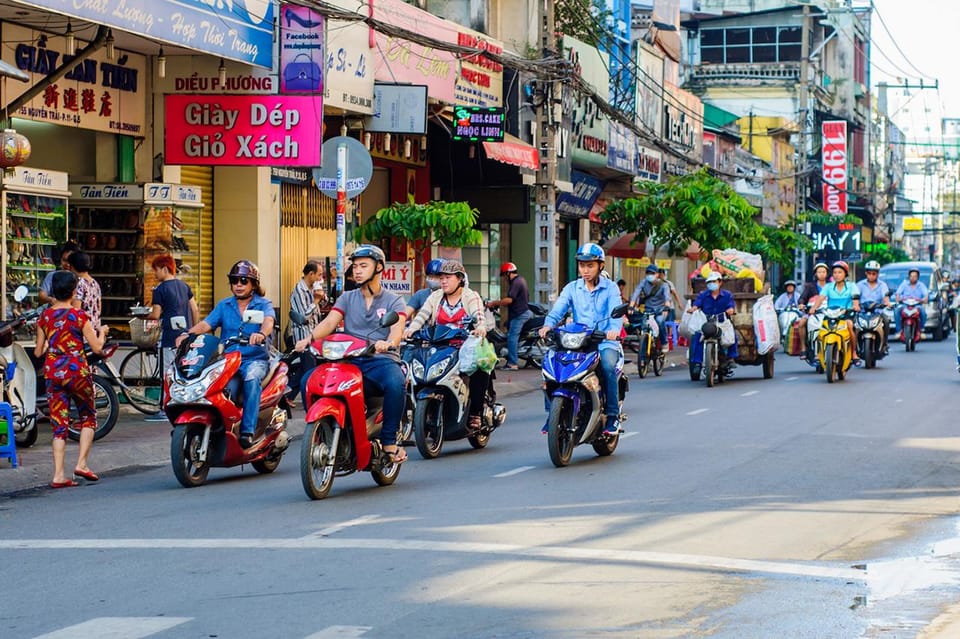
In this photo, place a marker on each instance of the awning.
(513, 151)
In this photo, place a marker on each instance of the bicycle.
(643, 324)
(139, 378)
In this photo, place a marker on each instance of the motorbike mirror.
(620, 311)
(252, 317)
(389, 319)
(298, 318)
(21, 293)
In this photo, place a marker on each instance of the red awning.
(513, 151)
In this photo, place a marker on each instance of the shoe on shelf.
(612, 427)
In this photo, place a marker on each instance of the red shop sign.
(243, 130)
(834, 157)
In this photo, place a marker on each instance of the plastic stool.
(672, 327)
(9, 449)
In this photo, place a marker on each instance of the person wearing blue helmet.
(591, 299)
(415, 303)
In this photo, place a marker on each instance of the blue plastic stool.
(672, 327)
(10, 448)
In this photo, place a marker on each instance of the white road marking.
(790, 379)
(332, 530)
(340, 632)
(898, 401)
(698, 411)
(630, 434)
(515, 471)
(116, 628)
(835, 571)
(749, 393)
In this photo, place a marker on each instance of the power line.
(894, 41)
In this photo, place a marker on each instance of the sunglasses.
(239, 280)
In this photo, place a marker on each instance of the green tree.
(443, 223)
(582, 19)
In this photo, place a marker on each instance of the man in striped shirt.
(303, 301)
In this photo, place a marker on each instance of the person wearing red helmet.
(517, 302)
(843, 294)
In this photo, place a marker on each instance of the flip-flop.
(397, 456)
(63, 484)
(89, 475)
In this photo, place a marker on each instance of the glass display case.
(35, 224)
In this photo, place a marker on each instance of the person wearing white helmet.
(788, 298)
(875, 291)
(713, 301)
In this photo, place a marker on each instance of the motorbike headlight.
(439, 368)
(416, 368)
(572, 341)
(195, 390)
(335, 350)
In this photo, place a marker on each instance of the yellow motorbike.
(834, 352)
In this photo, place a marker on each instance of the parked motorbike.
(443, 394)
(871, 328)
(575, 392)
(206, 422)
(643, 335)
(530, 348)
(834, 355)
(343, 422)
(910, 328)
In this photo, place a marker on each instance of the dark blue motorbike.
(575, 393)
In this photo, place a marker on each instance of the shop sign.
(473, 80)
(586, 190)
(243, 130)
(622, 149)
(99, 94)
(837, 241)
(395, 148)
(588, 133)
(301, 50)
(398, 108)
(236, 29)
(398, 277)
(834, 157)
(913, 224)
(349, 70)
(187, 195)
(683, 120)
(122, 192)
(648, 164)
(290, 175)
(478, 124)
(36, 180)
(649, 88)
(201, 74)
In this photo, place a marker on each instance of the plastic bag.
(654, 327)
(468, 355)
(728, 336)
(486, 356)
(765, 325)
(691, 323)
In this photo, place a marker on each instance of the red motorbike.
(910, 328)
(206, 422)
(343, 423)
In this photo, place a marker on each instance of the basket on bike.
(144, 333)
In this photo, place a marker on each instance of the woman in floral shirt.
(61, 331)
(88, 295)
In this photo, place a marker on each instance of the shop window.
(713, 55)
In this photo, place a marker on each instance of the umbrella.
(626, 246)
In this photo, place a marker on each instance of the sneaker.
(613, 427)
(665, 349)
(246, 441)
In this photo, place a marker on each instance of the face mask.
(713, 286)
(433, 284)
(651, 278)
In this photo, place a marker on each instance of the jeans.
(899, 320)
(384, 376)
(659, 317)
(251, 373)
(513, 336)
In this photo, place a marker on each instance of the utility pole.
(545, 259)
(800, 188)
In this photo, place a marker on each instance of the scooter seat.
(532, 324)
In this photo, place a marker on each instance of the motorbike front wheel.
(643, 357)
(108, 409)
(560, 435)
(832, 362)
(317, 459)
(710, 363)
(869, 357)
(184, 445)
(428, 427)
(908, 337)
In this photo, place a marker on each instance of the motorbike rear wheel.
(604, 446)
(695, 370)
(428, 427)
(832, 365)
(108, 409)
(184, 445)
(560, 435)
(386, 475)
(479, 441)
(267, 465)
(317, 459)
(768, 365)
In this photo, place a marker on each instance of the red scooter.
(910, 328)
(206, 422)
(343, 426)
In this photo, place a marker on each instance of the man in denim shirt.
(591, 299)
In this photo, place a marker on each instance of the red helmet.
(508, 267)
(843, 265)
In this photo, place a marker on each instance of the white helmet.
(872, 265)
(714, 277)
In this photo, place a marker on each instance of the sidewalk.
(135, 443)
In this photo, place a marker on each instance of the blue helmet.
(433, 267)
(652, 269)
(591, 252)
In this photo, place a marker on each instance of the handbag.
(302, 75)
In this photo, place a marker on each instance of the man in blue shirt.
(875, 291)
(227, 315)
(788, 298)
(591, 299)
(912, 288)
(713, 301)
(653, 294)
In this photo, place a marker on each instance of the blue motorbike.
(575, 392)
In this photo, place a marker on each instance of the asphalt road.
(761, 508)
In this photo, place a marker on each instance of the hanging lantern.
(14, 150)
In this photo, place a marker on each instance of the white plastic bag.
(765, 325)
(468, 355)
(691, 323)
(728, 336)
(654, 327)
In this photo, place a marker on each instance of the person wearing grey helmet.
(788, 298)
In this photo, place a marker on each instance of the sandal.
(476, 421)
(397, 456)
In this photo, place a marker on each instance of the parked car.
(938, 316)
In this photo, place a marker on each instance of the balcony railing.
(776, 71)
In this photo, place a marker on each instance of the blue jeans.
(898, 321)
(384, 376)
(251, 373)
(660, 318)
(513, 336)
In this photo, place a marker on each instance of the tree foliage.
(444, 223)
(582, 19)
(887, 255)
